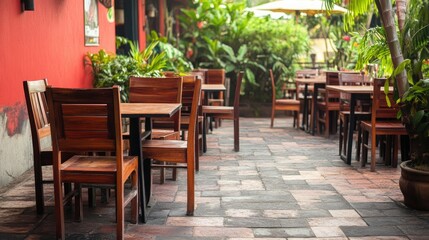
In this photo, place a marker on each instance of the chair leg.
(59, 208)
(197, 147)
(327, 123)
(38, 184)
(190, 186)
(297, 119)
(134, 201)
(341, 135)
(373, 151)
(359, 142)
(236, 134)
(346, 134)
(364, 148)
(120, 208)
(91, 197)
(78, 207)
(205, 133)
(272, 116)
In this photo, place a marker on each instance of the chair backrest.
(85, 120)
(237, 93)
(187, 94)
(306, 73)
(158, 90)
(155, 90)
(215, 76)
(200, 73)
(332, 78)
(35, 97)
(350, 78)
(196, 99)
(380, 108)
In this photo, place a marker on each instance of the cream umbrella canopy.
(310, 7)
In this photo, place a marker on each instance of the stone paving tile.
(283, 184)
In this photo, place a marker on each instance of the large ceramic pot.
(414, 185)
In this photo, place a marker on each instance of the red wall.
(46, 43)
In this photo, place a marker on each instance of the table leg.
(147, 165)
(305, 110)
(352, 123)
(136, 150)
(314, 108)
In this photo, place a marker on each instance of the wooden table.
(135, 111)
(209, 88)
(317, 83)
(356, 93)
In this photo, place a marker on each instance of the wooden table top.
(213, 87)
(149, 109)
(353, 89)
(317, 80)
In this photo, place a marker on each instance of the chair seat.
(390, 127)
(184, 121)
(287, 102)
(218, 110)
(166, 150)
(78, 165)
(357, 114)
(164, 134)
(329, 105)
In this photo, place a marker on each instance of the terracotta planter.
(414, 186)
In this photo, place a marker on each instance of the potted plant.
(409, 54)
(110, 69)
(414, 181)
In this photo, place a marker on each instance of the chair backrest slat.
(380, 108)
(237, 93)
(196, 99)
(35, 97)
(306, 73)
(85, 120)
(187, 93)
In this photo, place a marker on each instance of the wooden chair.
(215, 76)
(39, 123)
(37, 108)
(328, 106)
(300, 89)
(187, 98)
(228, 112)
(89, 120)
(159, 90)
(283, 104)
(179, 151)
(350, 79)
(383, 123)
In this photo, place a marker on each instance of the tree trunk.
(401, 12)
(387, 15)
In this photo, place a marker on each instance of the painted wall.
(45, 43)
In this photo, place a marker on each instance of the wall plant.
(110, 69)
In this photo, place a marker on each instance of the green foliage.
(110, 69)
(177, 61)
(220, 34)
(373, 49)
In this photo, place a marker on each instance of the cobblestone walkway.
(283, 184)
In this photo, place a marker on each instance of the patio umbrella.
(271, 14)
(310, 7)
